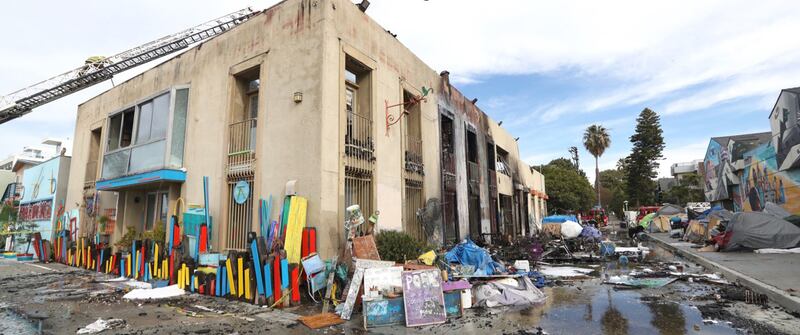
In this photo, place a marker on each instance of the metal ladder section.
(23, 101)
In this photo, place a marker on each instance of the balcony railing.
(133, 159)
(241, 146)
(359, 146)
(413, 155)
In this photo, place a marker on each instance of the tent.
(645, 221)
(670, 210)
(757, 230)
(696, 232)
(661, 224)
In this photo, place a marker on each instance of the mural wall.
(762, 181)
(785, 130)
(718, 172)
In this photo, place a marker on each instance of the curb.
(775, 294)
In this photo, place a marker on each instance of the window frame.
(135, 132)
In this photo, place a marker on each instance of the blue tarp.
(709, 211)
(559, 218)
(469, 253)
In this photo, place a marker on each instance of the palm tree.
(596, 140)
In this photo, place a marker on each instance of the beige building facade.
(312, 91)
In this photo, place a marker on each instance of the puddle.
(13, 323)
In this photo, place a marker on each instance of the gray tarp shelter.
(772, 208)
(670, 209)
(757, 230)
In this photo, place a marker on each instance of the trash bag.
(571, 229)
(508, 292)
(469, 253)
(591, 233)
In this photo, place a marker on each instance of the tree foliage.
(596, 140)
(567, 186)
(688, 189)
(643, 162)
(613, 189)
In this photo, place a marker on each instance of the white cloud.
(650, 49)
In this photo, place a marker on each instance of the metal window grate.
(241, 147)
(358, 189)
(413, 202)
(240, 216)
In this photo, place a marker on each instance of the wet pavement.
(66, 299)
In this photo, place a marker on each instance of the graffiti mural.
(786, 133)
(762, 181)
(36, 211)
(718, 171)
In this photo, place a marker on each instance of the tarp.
(670, 210)
(645, 221)
(469, 253)
(772, 208)
(559, 218)
(696, 232)
(508, 292)
(756, 230)
(590, 232)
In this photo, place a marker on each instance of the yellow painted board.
(231, 283)
(247, 284)
(240, 276)
(294, 228)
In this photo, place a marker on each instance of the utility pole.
(575, 161)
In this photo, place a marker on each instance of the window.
(138, 136)
(121, 130)
(502, 162)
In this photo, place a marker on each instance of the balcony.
(241, 147)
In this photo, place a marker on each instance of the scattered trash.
(508, 292)
(564, 271)
(639, 282)
(474, 260)
(154, 293)
(321, 320)
(777, 251)
(101, 325)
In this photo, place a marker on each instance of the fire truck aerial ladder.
(98, 69)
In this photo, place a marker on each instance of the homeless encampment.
(757, 230)
(551, 225)
(700, 227)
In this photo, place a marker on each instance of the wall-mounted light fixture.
(297, 97)
(363, 5)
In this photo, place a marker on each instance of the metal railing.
(241, 147)
(358, 190)
(413, 155)
(359, 146)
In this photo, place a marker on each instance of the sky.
(547, 69)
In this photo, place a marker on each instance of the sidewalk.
(776, 275)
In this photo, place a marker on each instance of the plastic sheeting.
(559, 218)
(756, 230)
(590, 232)
(509, 292)
(571, 229)
(469, 253)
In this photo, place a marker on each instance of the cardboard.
(423, 299)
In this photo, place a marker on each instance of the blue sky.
(547, 69)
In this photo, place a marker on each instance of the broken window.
(502, 162)
(120, 130)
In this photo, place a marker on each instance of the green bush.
(398, 246)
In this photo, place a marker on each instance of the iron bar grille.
(240, 216)
(359, 146)
(241, 147)
(358, 190)
(414, 201)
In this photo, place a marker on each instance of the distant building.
(681, 170)
(44, 191)
(30, 156)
